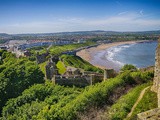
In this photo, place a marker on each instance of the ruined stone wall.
(157, 70)
(40, 58)
(149, 115)
(51, 69)
(156, 82)
(80, 81)
(70, 81)
(109, 73)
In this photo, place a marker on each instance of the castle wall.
(157, 70)
(109, 73)
(70, 81)
(41, 58)
(80, 81)
(149, 115)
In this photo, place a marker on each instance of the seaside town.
(79, 60)
(20, 43)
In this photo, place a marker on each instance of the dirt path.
(140, 97)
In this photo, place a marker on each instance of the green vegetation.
(149, 101)
(16, 75)
(38, 98)
(54, 50)
(2, 41)
(61, 67)
(40, 50)
(75, 61)
(128, 67)
(48, 101)
(58, 49)
(42, 67)
(123, 106)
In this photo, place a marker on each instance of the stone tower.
(156, 82)
(51, 69)
(108, 73)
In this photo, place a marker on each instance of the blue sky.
(42, 16)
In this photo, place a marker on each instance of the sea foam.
(113, 51)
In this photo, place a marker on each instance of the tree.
(17, 75)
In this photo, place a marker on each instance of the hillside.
(50, 101)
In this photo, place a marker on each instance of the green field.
(61, 67)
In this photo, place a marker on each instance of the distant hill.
(88, 33)
(4, 35)
(81, 33)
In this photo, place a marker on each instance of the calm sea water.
(138, 54)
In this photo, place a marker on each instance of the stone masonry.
(51, 69)
(157, 70)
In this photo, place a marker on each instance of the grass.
(78, 62)
(123, 106)
(42, 67)
(61, 67)
(57, 49)
(149, 101)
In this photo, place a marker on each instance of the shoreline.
(88, 54)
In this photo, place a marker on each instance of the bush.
(128, 67)
(17, 75)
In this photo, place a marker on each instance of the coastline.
(88, 54)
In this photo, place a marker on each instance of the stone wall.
(149, 115)
(80, 81)
(157, 70)
(109, 73)
(51, 69)
(40, 58)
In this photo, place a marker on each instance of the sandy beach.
(88, 54)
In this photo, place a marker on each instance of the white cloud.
(122, 13)
(126, 21)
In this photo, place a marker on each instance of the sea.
(140, 55)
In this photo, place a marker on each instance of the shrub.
(128, 67)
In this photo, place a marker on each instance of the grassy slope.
(62, 48)
(78, 62)
(61, 103)
(122, 107)
(42, 67)
(57, 49)
(149, 101)
(95, 95)
(61, 67)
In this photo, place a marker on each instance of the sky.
(49, 16)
